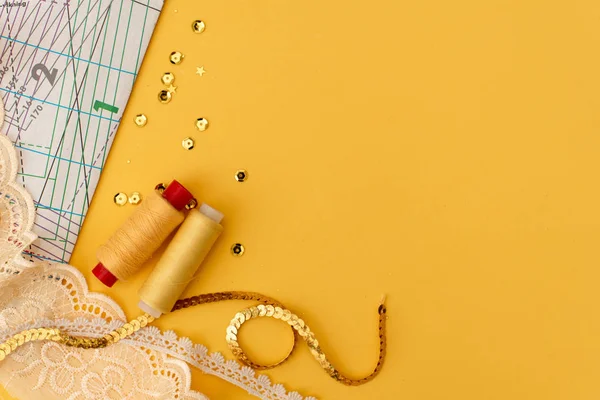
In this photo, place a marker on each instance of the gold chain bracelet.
(269, 307)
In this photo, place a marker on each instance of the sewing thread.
(180, 261)
(137, 239)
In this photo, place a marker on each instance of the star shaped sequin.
(172, 89)
(200, 71)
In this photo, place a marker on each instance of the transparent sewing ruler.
(67, 68)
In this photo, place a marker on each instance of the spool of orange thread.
(180, 261)
(142, 234)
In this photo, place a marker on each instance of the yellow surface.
(442, 152)
(4, 395)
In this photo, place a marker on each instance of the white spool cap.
(149, 310)
(211, 213)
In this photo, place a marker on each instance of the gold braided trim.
(269, 308)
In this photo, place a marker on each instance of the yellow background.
(444, 153)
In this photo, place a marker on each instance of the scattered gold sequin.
(167, 78)
(160, 188)
(201, 124)
(192, 204)
(140, 120)
(120, 199)
(237, 249)
(172, 89)
(241, 175)
(164, 96)
(198, 26)
(187, 143)
(200, 71)
(176, 57)
(135, 198)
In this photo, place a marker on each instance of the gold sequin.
(12, 343)
(164, 96)
(262, 310)
(168, 78)
(237, 249)
(231, 329)
(278, 312)
(192, 204)
(187, 143)
(128, 329)
(270, 307)
(240, 317)
(140, 120)
(241, 175)
(198, 26)
(135, 198)
(286, 315)
(200, 71)
(176, 57)
(202, 124)
(172, 89)
(160, 187)
(120, 199)
(230, 337)
(270, 310)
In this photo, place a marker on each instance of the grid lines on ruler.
(65, 67)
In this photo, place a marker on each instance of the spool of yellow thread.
(180, 261)
(142, 234)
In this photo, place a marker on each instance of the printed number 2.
(39, 69)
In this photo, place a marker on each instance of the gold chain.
(269, 307)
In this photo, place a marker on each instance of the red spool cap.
(104, 275)
(177, 195)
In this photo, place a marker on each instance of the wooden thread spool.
(180, 261)
(142, 234)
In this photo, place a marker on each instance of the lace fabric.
(34, 293)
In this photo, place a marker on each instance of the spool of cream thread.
(141, 234)
(180, 261)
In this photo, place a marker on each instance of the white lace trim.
(38, 293)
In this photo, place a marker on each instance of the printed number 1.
(99, 104)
